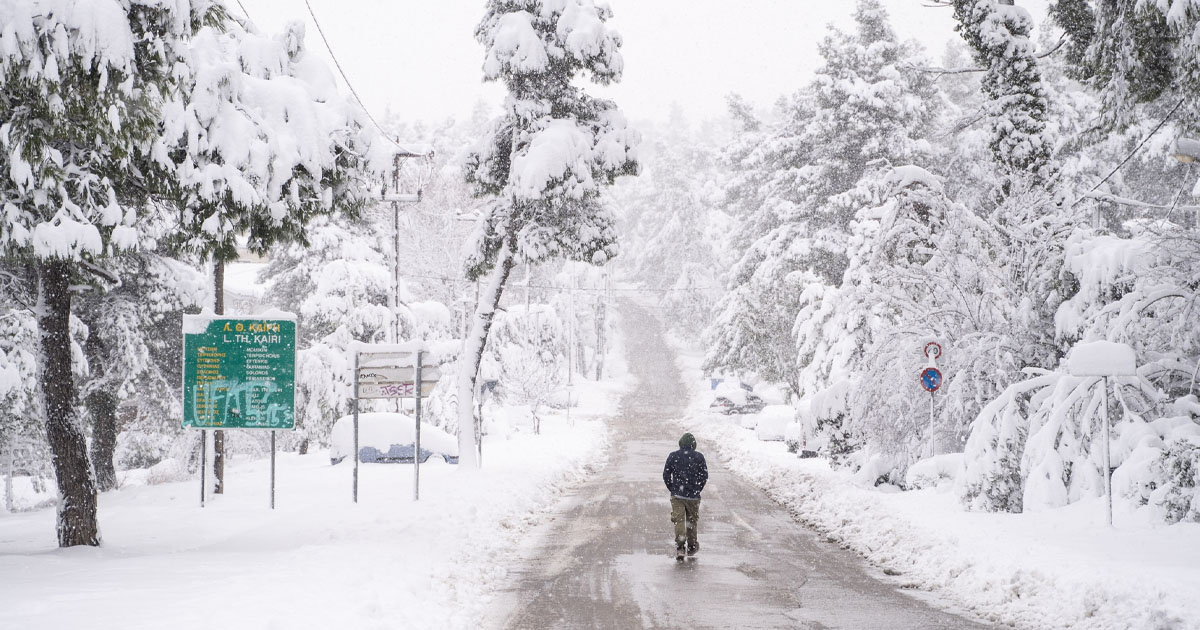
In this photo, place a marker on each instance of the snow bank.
(934, 471)
(1059, 568)
(319, 561)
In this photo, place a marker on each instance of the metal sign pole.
(355, 494)
(1107, 456)
(417, 443)
(203, 463)
(10, 469)
(932, 434)
(272, 470)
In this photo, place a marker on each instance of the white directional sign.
(393, 375)
(394, 390)
(397, 374)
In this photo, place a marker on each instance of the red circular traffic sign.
(931, 379)
(933, 350)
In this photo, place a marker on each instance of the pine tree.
(999, 34)
(1126, 50)
(543, 164)
(262, 143)
(80, 101)
(861, 109)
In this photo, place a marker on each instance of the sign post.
(387, 372)
(1105, 359)
(239, 373)
(417, 438)
(931, 380)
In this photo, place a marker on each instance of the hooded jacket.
(685, 472)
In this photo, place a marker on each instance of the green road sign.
(239, 373)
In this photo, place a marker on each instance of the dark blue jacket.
(685, 473)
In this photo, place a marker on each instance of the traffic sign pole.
(417, 441)
(931, 380)
(355, 492)
(272, 470)
(1107, 455)
(203, 463)
(932, 435)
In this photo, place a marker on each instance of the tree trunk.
(77, 523)
(103, 408)
(218, 435)
(473, 345)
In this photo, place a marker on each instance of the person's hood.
(688, 441)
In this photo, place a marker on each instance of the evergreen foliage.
(541, 166)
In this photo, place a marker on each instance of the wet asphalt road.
(606, 559)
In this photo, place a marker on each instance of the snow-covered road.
(605, 557)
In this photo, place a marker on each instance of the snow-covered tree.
(262, 142)
(678, 234)
(132, 350)
(338, 284)
(22, 427)
(1030, 447)
(81, 89)
(530, 350)
(862, 109)
(542, 165)
(999, 34)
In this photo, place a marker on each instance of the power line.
(551, 287)
(1135, 149)
(345, 78)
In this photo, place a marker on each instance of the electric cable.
(550, 287)
(345, 78)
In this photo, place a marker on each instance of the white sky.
(420, 59)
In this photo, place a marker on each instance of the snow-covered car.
(773, 421)
(732, 398)
(388, 437)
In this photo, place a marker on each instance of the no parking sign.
(931, 379)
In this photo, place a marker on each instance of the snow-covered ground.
(1061, 568)
(318, 560)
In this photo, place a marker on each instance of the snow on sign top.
(198, 324)
(1102, 358)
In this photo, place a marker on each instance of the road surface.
(606, 557)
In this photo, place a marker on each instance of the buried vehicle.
(773, 422)
(730, 399)
(387, 438)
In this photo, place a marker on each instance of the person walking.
(685, 475)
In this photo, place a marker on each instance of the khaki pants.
(685, 514)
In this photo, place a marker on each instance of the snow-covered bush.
(1039, 445)
(932, 472)
(1160, 470)
(529, 348)
(826, 413)
(1178, 492)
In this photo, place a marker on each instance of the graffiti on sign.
(238, 373)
